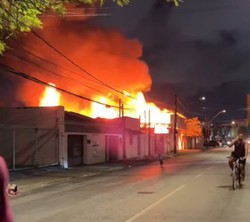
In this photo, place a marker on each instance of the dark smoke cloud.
(103, 53)
(8, 88)
(173, 56)
(200, 47)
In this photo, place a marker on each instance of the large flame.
(50, 97)
(107, 61)
(104, 111)
(133, 106)
(150, 115)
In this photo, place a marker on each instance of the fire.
(150, 115)
(50, 97)
(138, 107)
(104, 111)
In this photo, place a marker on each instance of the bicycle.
(236, 174)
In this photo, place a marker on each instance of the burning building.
(91, 71)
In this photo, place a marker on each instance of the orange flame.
(50, 97)
(104, 111)
(148, 113)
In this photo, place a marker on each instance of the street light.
(217, 114)
(202, 98)
(207, 125)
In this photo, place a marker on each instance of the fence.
(25, 146)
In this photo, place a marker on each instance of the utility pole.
(149, 134)
(121, 108)
(175, 123)
(121, 115)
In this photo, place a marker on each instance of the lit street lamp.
(207, 126)
(217, 114)
(202, 98)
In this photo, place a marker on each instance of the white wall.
(37, 135)
(95, 150)
(145, 145)
(132, 145)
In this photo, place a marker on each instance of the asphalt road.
(191, 187)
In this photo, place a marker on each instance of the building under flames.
(41, 136)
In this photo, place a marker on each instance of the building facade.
(42, 136)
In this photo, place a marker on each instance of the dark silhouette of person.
(5, 211)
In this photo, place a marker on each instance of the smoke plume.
(109, 62)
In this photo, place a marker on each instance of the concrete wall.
(96, 148)
(132, 145)
(93, 148)
(147, 145)
(31, 136)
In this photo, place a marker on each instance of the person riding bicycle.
(240, 151)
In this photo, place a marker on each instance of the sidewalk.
(29, 180)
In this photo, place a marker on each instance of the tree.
(193, 127)
(19, 16)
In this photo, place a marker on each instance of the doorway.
(112, 147)
(75, 150)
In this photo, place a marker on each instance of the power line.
(81, 12)
(92, 85)
(64, 56)
(50, 71)
(85, 71)
(26, 76)
(190, 113)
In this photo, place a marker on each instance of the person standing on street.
(160, 150)
(5, 211)
(240, 151)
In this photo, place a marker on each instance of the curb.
(31, 180)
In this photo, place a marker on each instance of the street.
(195, 186)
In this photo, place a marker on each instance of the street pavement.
(192, 186)
(35, 179)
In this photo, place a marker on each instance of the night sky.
(199, 49)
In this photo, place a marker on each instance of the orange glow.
(138, 107)
(181, 141)
(99, 110)
(148, 112)
(119, 66)
(50, 96)
(161, 129)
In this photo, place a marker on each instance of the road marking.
(154, 204)
(209, 168)
(199, 175)
(114, 183)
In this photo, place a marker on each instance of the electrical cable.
(64, 56)
(26, 76)
(26, 61)
(92, 85)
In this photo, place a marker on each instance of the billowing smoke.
(8, 90)
(195, 50)
(108, 61)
